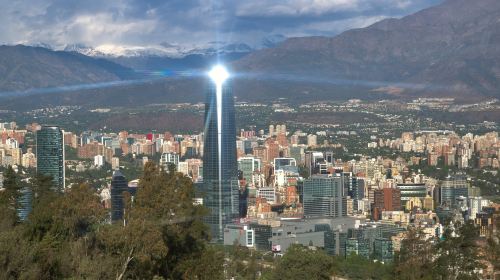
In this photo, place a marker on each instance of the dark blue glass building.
(24, 202)
(220, 167)
(50, 154)
(118, 185)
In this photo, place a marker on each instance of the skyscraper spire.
(219, 156)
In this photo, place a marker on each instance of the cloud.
(148, 22)
(294, 8)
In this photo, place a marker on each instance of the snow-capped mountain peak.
(162, 50)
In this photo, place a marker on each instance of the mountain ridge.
(453, 45)
(449, 50)
(23, 68)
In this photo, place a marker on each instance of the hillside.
(451, 49)
(23, 68)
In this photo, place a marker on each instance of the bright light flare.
(218, 74)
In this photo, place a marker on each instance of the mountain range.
(161, 50)
(452, 50)
(23, 68)
(168, 55)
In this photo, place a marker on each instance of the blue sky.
(151, 22)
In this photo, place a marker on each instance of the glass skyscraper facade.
(220, 167)
(50, 154)
(453, 187)
(383, 250)
(323, 196)
(118, 185)
(25, 201)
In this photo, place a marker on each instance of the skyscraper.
(323, 196)
(451, 188)
(169, 158)
(220, 172)
(25, 201)
(386, 199)
(50, 154)
(249, 165)
(118, 185)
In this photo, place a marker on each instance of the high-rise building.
(118, 185)
(279, 163)
(220, 168)
(115, 163)
(476, 205)
(98, 161)
(323, 196)
(357, 246)
(50, 154)
(169, 158)
(387, 199)
(409, 191)
(383, 250)
(312, 140)
(313, 161)
(451, 188)
(24, 203)
(249, 165)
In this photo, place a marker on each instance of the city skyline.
(289, 139)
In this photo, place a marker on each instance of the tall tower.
(323, 196)
(118, 185)
(50, 154)
(451, 188)
(219, 156)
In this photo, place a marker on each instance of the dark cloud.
(149, 22)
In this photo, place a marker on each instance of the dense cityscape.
(282, 188)
(250, 140)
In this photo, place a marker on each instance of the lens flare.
(218, 74)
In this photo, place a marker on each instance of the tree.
(359, 267)
(241, 263)
(458, 255)
(56, 239)
(492, 250)
(68, 235)
(9, 200)
(43, 189)
(164, 231)
(414, 261)
(300, 262)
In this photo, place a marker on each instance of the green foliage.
(493, 248)
(12, 188)
(302, 263)
(358, 267)
(163, 237)
(67, 235)
(42, 187)
(70, 153)
(164, 234)
(44, 246)
(458, 256)
(242, 263)
(414, 261)
(9, 200)
(304, 172)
